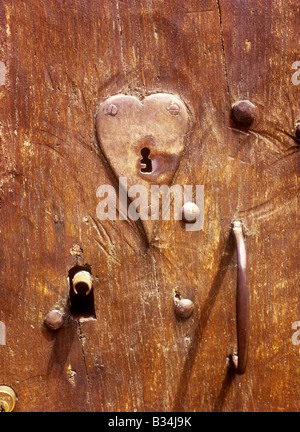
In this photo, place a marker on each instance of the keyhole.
(147, 168)
(81, 296)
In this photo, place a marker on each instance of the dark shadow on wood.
(63, 340)
(204, 316)
(230, 374)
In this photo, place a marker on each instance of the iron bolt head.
(54, 320)
(190, 212)
(244, 112)
(183, 308)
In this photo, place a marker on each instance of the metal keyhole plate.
(126, 126)
(143, 140)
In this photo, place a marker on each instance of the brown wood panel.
(259, 50)
(63, 58)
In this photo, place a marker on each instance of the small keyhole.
(146, 162)
(81, 301)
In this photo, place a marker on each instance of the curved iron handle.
(242, 299)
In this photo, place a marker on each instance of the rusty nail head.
(243, 112)
(184, 308)
(174, 109)
(54, 320)
(112, 110)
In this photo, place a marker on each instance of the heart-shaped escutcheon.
(143, 141)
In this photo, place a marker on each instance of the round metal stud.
(54, 320)
(183, 308)
(244, 112)
(190, 212)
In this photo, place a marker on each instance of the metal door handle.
(242, 300)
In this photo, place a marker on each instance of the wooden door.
(60, 60)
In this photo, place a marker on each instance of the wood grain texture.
(62, 59)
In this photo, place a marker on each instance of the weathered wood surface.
(62, 59)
